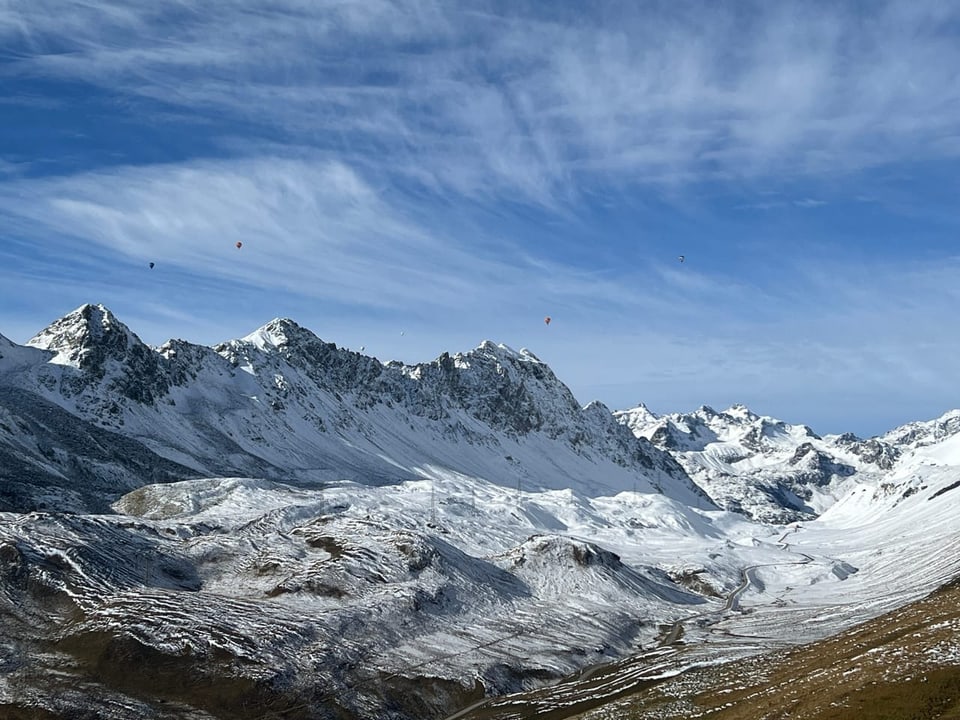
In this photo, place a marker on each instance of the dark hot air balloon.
(239, 245)
(151, 266)
(547, 320)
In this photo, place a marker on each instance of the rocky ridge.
(762, 467)
(282, 403)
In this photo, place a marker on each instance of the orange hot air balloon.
(239, 245)
(547, 319)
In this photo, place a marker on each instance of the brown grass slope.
(904, 665)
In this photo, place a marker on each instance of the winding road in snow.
(606, 682)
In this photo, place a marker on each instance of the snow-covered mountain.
(924, 433)
(760, 466)
(281, 403)
(277, 527)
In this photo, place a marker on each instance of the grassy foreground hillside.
(899, 666)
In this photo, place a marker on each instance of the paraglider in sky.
(239, 244)
(547, 320)
(151, 266)
(681, 258)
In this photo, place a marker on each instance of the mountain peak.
(501, 351)
(739, 410)
(279, 333)
(642, 410)
(76, 334)
(640, 419)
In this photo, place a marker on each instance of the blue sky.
(416, 177)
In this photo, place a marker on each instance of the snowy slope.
(53, 460)
(871, 553)
(15, 357)
(435, 592)
(887, 544)
(247, 580)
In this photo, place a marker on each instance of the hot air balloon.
(681, 258)
(151, 266)
(239, 244)
(547, 320)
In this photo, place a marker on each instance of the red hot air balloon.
(547, 320)
(239, 245)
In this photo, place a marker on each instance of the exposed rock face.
(109, 355)
(874, 451)
(52, 460)
(922, 434)
(759, 466)
(282, 403)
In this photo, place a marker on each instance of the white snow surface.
(15, 357)
(553, 580)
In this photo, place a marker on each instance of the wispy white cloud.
(9, 168)
(317, 228)
(805, 203)
(312, 228)
(531, 104)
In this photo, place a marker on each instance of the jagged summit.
(499, 350)
(740, 411)
(279, 333)
(926, 432)
(83, 337)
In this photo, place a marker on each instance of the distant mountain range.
(762, 467)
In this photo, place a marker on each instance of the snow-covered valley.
(276, 527)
